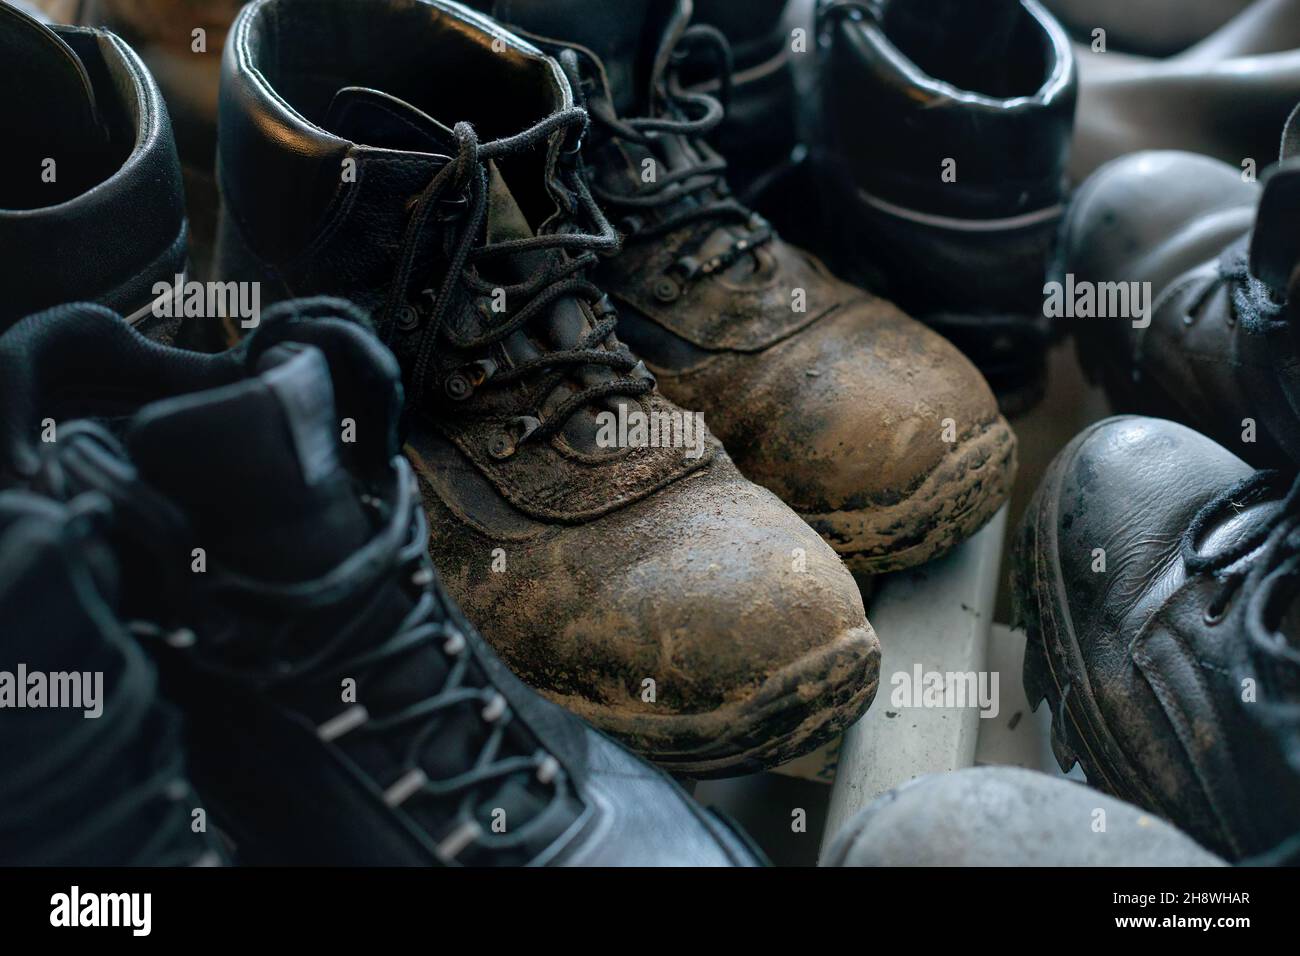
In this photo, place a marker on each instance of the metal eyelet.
(1213, 617)
(458, 387)
(666, 290)
(504, 444)
(408, 318)
(501, 446)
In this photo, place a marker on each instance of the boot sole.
(957, 498)
(793, 712)
(1054, 668)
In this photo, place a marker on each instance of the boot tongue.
(378, 119)
(54, 82)
(255, 466)
(374, 118)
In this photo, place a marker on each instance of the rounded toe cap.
(1007, 816)
(1152, 215)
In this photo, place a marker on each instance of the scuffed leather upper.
(1161, 663)
(620, 563)
(824, 394)
(113, 241)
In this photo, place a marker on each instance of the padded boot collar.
(1010, 149)
(139, 195)
(279, 166)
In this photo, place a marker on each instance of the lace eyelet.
(1214, 616)
(458, 387)
(408, 318)
(501, 446)
(666, 290)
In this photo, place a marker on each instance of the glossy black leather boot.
(1158, 576)
(341, 709)
(91, 205)
(1214, 259)
(941, 157)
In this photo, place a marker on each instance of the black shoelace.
(696, 193)
(1278, 544)
(355, 596)
(1280, 537)
(572, 254)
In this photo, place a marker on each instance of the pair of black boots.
(1158, 571)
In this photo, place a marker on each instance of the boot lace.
(355, 597)
(697, 193)
(572, 254)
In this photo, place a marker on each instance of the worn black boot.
(1213, 259)
(1158, 576)
(941, 156)
(423, 161)
(341, 709)
(90, 187)
(94, 766)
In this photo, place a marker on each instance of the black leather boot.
(941, 156)
(1158, 576)
(91, 206)
(1215, 259)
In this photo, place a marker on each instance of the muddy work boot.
(1007, 816)
(1156, 575)
(91, 205)
(638, 579)
(1213, 261)
(942, 158)
(94, 762)
(324, 672)
(875, 430)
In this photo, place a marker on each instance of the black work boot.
(181, 44)
(942, 155)
(826, 395)
(90, 188)
(94, 763)
(341, 709)
(1214, 260)
(1157, 576)
(1008, 816)
(422, 161)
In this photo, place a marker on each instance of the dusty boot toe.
(876, 431)
(707, 627)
